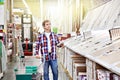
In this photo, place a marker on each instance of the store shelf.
(99, 50)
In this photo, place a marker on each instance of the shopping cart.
(28, 72)
(26, 68)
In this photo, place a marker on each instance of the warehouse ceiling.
(33, 5)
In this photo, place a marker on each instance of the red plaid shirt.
(42, 45)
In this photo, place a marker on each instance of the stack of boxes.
(65, 60)
(91, 70)
(69, 62)
(82, 76)
(73, 63)
(103, 74)
(114, 77)
(81, 68)
(78, 66)
(61, 55)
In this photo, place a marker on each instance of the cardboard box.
(77, 59)
(69, 62)
(91, 70)
(77, 67)
(103, 74)
(82, 76)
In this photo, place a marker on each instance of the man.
(46, 43)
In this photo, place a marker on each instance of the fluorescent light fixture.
(27, 7)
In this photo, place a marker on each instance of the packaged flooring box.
(82, 76)
(76, 56)
(91, 70)
(70, 65)
(114, 77)
(103, 74)
(69, 61)
(77, 61)
(78, 68)
(80, 60)
(66, 53)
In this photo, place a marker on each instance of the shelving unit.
(10, 40)
(98, 52)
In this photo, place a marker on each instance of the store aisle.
(10, 74)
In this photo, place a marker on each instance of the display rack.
(99, 54)
(10, 40)
(106, 16)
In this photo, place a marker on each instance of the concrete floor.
(10, 74)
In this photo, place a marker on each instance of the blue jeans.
(54, 67)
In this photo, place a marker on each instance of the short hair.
(45, 21)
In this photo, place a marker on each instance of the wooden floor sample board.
(106, 16)
(100, 49)
(110, 58)
(106, 48)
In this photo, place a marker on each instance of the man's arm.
(58, 43)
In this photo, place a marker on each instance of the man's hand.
(60, 44)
